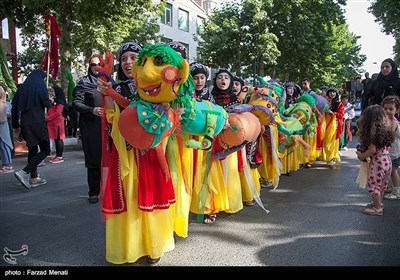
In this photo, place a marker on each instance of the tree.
(86, 26)
(388, 13)
(289, 39)
(236, 36)
(314, 42)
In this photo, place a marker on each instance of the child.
(55, 122)
(375, 132)
(391, 105)
(349, 114)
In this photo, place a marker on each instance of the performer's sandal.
(152, 261)
(373, 211)
(209, 219)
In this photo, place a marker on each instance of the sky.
(374, 43)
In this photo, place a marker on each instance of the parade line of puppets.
(205, 152)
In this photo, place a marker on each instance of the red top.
(55, 121)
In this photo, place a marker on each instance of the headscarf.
(59, 96)
(334, 101)
(127, 47)
(33, 91)
(198, 68)
(224, 98)
(392, 78)
(89, 82)
(383, 86)
(178, 47)
(238, 79)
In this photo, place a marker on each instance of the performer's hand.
(102, 86)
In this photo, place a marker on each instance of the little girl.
(391, 105)
(375, 132)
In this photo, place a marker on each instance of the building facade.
(182, 21)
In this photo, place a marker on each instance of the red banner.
(50, 59)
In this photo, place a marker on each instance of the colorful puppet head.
(160, 74)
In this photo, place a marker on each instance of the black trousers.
(93, 179)
(35, 157)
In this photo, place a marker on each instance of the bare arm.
(370, 152)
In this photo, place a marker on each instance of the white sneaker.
(344, 148)
(37, 182)
(394, 195)
(23, 178)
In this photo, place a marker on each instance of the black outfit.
(204, 94)
(85, 98)
(367, 82)
(383, 86)
(72, 124)
(28, 110)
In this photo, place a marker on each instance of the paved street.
(315, 220)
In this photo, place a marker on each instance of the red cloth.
(52, 46)
(339, 117)
(155, 189)
(55, 121)
(113, 195)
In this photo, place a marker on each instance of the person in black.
(87, 101)
(358, 88)
(28, 118)
(387, 83)
(367, 82)
(72, 124)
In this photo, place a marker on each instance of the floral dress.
(379, 171)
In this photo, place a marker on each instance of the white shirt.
(349, 111)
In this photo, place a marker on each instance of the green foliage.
(236, 36)
(387, 12)
(290, 40)
(87, 26)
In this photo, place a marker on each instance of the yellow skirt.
(135, 233)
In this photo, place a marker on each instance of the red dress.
(55, 121)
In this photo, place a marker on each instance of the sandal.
(249, 203)
(209, 219)
(152, 261)
(373, 211)
(372, 205)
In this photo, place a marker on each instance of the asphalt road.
(315, 220)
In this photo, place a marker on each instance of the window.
(199, 24)
(183, 20)
(166, 17)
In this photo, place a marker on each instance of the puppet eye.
(158, 60)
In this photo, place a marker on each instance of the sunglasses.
(94, 64)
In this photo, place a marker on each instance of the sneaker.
(57, 160)
(23, 178)
(6, 169)
(392, 196)
(93, 199)
(344, 148)
(42, 163)
(37, 182)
